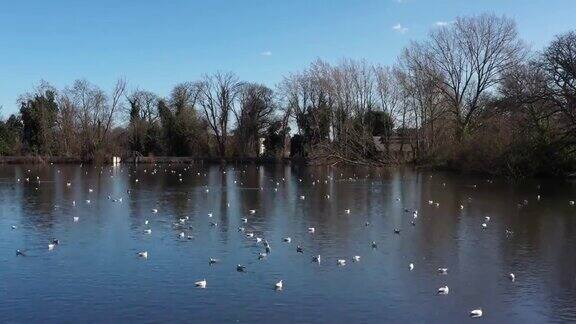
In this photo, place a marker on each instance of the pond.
(185, 215)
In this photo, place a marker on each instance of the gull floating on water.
(154, 210)
(341, 262)
(443, 290)
(484, 225)
(148, 231)
(317, 259)
(512, 277)
(252, 211)
(487, 218)
(411, 266)
(241, 268)
(76, 218)
(299, 249)
(51, 246)
(143, 254)
(287, 239)
(347, 211)
(201, 283)
(262, 255)
(146, 222)
(356, 258)
(244, 220)
(279, 285)
(476, 312)
(442, 270)
(311, 230)
(212, 261)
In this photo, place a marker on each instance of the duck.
(201, 283)
(443, 290)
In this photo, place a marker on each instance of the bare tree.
(467, 59)
(219, 94)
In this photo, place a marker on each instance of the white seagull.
(143, 254)
(443, 290)
(279, 285)
(476, 312)
(201, 283)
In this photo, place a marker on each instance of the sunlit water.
(95, 275)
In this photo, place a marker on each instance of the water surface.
(95, 275)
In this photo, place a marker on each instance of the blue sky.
(156, 44)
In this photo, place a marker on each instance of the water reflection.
(95, 274)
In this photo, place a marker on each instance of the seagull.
(476, 312)
(317, 259)
(512, 277)
(182, 235)
(252, 211)
(411, 266)
(262, 255)
(341, 262)
(356, 258)
(241, 229)
(396, 231)
(299, 249)
(244, 220)
(154, 210)
(212, 261)
(347, 211)
(484, 225)
(209, 214)
(200, 284)
(302, 197)
(279, 285)
(213, 224)
(146, 222)
(249, 235)
(76, 218)
(443, 270)
(14, 227)
(148, 231)
(241, 268)
(143, 254)
(311, 230)
(87, 201)
(20, 253)
(487, 218)
(287, 239)
(461, 206)
(443, 290)
(571, 202)
(258, 239)
(374, 245)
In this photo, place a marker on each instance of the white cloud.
(399, 28)
(266, 53)
(441, 23)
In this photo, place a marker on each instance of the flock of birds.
(279, 285)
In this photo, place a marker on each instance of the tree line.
(472, 95)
